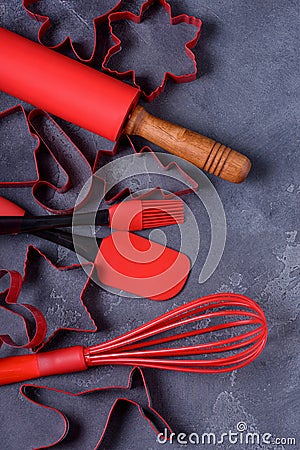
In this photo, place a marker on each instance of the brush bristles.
(159, 213)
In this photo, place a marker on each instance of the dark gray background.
(246, 96)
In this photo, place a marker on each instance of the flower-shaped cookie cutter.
(130, 74)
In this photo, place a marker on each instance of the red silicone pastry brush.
(130, 215)
(151, 345)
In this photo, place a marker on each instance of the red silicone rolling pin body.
(64, 87)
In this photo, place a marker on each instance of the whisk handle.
(26, 367)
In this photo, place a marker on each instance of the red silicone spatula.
(123, 260)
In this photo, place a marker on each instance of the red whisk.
(141, 346)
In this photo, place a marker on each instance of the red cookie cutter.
(10, 296)
(130, 74)
(62, 158)
(33, 252)
(59, 156)
(190, 184)
(42, 334)
(46, 24)
(147, 412)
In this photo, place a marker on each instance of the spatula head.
(144, 268)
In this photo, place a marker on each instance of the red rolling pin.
(103, 105)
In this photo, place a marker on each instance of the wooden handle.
(205, 153)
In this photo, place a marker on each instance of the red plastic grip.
(64, 360)
(63, 86)
(18, 368)
(8, 208)
(26, 367)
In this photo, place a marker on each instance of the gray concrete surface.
(246, 95)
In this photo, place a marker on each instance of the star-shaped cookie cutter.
(38, 335)
(33, 252)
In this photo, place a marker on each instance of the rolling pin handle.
(205, 153)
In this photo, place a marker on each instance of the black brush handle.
(30, 224)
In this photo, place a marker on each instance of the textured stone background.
(246, 96)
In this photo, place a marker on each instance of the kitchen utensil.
(130, 215)
(139, 346)
(124, 260)
(103, 105)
